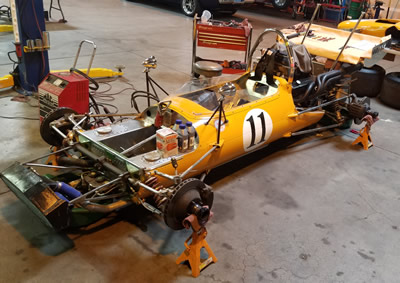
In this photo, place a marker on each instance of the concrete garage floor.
(312, 209)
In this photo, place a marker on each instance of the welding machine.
(66, 89)
(63, 90)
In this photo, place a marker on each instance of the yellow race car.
(105, 168)
(375, 27)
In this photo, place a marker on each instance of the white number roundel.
(257, 128)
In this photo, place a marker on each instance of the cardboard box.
(167, 142)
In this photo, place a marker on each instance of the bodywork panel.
(371, 27)
(360, 46)
(31, 189)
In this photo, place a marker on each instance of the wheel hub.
(188, 6)
(46, 131)
(191, 196)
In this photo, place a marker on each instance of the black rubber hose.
(96, 85)
(145, 94)
(94, 102)
(108, 112)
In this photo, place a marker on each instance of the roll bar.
(288, 49)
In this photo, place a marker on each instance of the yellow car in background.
(376, 27)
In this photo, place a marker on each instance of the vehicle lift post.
(33, 65)
(192, 251)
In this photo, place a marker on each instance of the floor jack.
(95, 73)
(198, 241)
(6, 28)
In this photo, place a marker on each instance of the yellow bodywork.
(95, 72)
(6, 28)
(353, 54)
(371, 27)
(237, 138)
(6, 81)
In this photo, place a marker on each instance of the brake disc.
(177, 207)
(47, 132)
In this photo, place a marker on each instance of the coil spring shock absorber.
(153, 182)
(335, 107)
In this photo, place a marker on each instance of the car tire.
(369, 81)
(191, 7)
(280, 4)
(390, 94)
(395, 33)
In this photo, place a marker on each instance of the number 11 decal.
(257, 128)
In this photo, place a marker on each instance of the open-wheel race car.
(109, 167)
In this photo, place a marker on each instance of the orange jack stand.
(192, 252)
(364, 138)
(52, 159)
